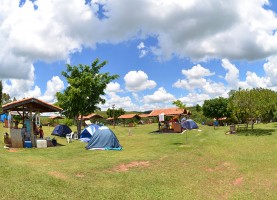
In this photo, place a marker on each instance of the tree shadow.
(256, 132)
(178, 143)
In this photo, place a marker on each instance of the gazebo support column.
(32, 131)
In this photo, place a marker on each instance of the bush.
(68, 122)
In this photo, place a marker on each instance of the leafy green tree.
(247, 105)
(86, 86)
(6, 98)
(198, 108)
(266, 101)
(216, 108)
(115, 112)
(242, 105)
(179, 104)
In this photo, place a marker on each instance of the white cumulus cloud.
(161, 95)
(232, 75)
(53, 86)
(270, 69)
(113, 87)
(137, 81)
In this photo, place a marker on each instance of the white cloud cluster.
(194, 78)
(113, 87)
(195, 29)
(53, 86)
(270, 69)
(138, 80)
(161, 95)
(193, 98)
(198, 29)
(201, 88)
(119, 102)
(20, 88)
(232, 75)
(14, 88)
(143, 50)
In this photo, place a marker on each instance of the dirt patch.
(79, 175)
(58, 175)
(13, 150)
(126, 167)
(238, 181)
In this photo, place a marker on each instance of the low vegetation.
(198, 164)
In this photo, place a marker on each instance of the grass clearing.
(208, 165)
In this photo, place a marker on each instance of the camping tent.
(189, 124)
(3, 116)
(61, 130)
(104, 139)
(87, 133)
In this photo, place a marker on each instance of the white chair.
(69, 137)
(75, 136)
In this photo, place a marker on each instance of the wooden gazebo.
(26, 108)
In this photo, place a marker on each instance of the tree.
(6, 98)
(179, 104)
(115, 112)
(266, 101)
(86, 86)
(242, 105)
(216, 108)
(247, 105)
(198, 108)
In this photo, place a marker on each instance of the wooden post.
(32, 131)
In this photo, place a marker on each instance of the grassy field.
(204, 164)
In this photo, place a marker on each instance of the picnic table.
(242, 127)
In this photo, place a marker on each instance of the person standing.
(41, 134)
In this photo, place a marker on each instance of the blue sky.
(162, 50)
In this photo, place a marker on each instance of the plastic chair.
(75, 136)
(69, 137)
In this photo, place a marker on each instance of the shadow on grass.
(256, 132)
(59, 145)
(178, 143)
(156, 131)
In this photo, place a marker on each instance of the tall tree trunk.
(79, 124)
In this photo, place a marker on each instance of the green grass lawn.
(204, 164)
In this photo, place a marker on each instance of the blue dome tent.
(87, 133)
(103, 139)
(189, 124)
(61, 130)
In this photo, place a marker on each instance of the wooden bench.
(242, 127)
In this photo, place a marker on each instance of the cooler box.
(49, 143)
(27, 144)
(41, 144)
